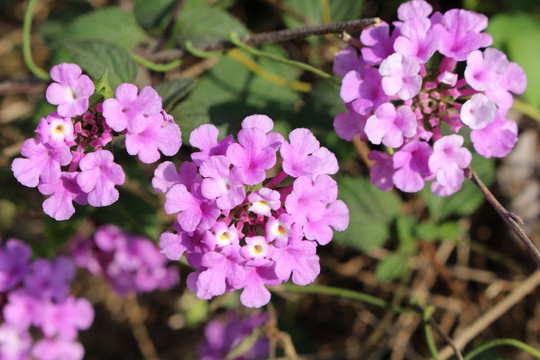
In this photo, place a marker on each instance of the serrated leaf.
(103, 88)
(174, 90)
(95, 58)
(206, 24)
(466, 200)
(518, 34)
(371, 213)
(111, 25)
(390, 268)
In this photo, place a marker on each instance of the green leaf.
(405, 226)
(391, 267)
(466, 200)
(206, 24)
(155, 13)
(312, 10)
(174, 90)
(371, 213)
(518, 34)
(96, 58)
(232, 92)
(189, 115)
(111, 25)
(57, 233)
(103, 90)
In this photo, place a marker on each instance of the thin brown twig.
(271, 37)
(461, 340)
(510, 218)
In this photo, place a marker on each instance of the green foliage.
(391, 267)
(340, 10)
(96, 58)
(518, 34)
(172, 91)
(232, 92)
(110, 25)
(202, 24)
(153, 13)
(190, 114)
(371, 211)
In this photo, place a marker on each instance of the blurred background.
(454, 253)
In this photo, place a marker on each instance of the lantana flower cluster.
(68, 160)
(404, 91)
(222, 336)
(34, 295)
(131, 264)
(239, 230)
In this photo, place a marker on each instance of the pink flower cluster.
(69, 161)
(130, 263)
(404, 91)
(239, 231)
(221, 336)
(34, 295)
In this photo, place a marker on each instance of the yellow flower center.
(59, 129)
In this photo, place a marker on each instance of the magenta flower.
(478, 112)
(448, 160)
(220, 183)
(195, 212)
(299, 259)
(55, 130)
(64, 191)
(263, 201)
(347, 60)
(304, 156)
(14, 256)
(255, 293)
(336, 215)
(15, 343)
(363, 90)
(98, 177)
(413, 10)
(165, 176)
(348, 125)
(204, 138)
(158, 135)
(390, 125)
(400, 76)
(497, 139)
(417, 40)
(250, 156)
(460, 33)
(484, 70)
(307, 202)
(382, 173)
(411, 166)
(43, 163)
(379, 44)
(129, 111)
(71, 90)
(66, 318)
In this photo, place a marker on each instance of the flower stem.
(274, 36)
(498, 342)
(349, 294)
(526, 109)
(510, 218)
(27, 50)
(156, 67)
(236, 41)
(426, 317)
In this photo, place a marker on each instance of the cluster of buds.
(240, 230)
(131, 264)
(403, 91)
(35, 295)
(69, 161)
